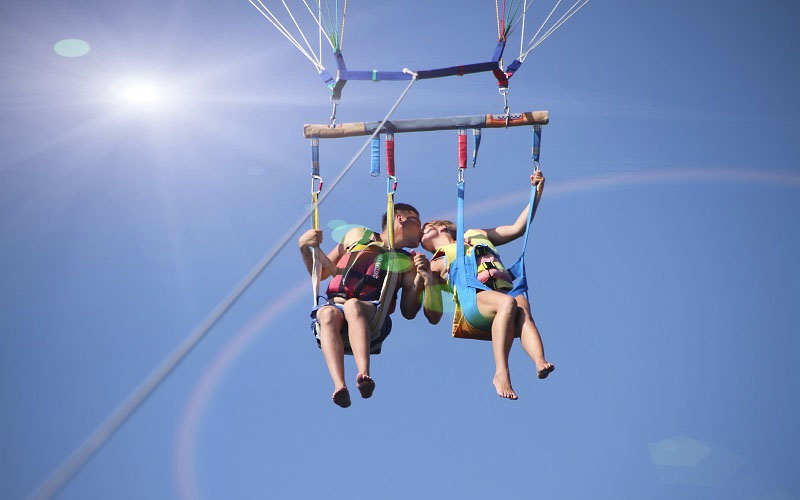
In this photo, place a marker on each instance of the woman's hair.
(448, 225)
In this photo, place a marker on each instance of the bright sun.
(140, 93)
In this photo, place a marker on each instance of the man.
(359, 264)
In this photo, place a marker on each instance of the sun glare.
(140, 93)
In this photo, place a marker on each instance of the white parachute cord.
(497, 17)
(269, 16)
(522, 20)
(319, 12)
(344, 18)
(97, 439)
(522, 35)
(289, 11)
(533, 38)
(272, 18)
(566, 17)
(317, 20)
(281, 29)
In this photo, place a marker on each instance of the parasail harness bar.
(426, 124)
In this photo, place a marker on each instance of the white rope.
(73, 464)
(317, 56)
(566, 17)
(344, 18)
(522, 36)
(521, 19)
(317, 20)
(497, 17)
(269, 16)
(533, 38)
(272, 18)
(319, 12)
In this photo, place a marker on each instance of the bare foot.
(365, 385)
(503, 387)
(544, 368)
(342, 397)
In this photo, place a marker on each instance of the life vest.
(361, 271)
(490, 270)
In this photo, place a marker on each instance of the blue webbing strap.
(375, 156)
(344, 74)
(498, 51)
(517, 270)
(327, 78)
(463, 274)
(520, 284)
(513, 67)
(476, 143)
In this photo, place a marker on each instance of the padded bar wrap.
(343, 130)
(517, 119)
(426, 124)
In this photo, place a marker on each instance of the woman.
(509, 316)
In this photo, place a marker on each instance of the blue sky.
(663, 260)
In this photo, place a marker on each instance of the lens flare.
(136, 91)
(71, 47)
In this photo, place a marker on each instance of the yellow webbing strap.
(315, 206)
(316, 268)
(390, 282)
(390, 219)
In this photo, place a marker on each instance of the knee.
(329, 315)
(353, 307)
(507, 306)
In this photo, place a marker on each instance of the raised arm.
(503, 234)
(312, 239)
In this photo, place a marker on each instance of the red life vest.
(361, 271)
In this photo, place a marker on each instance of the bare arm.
(311, 240)
(504, 234)
(426, 280)
(309, 243)
(409, 305)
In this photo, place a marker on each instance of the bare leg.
(530, 338)
(503, 308)
(358, 314)
(330, 321)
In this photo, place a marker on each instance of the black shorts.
(375, 340)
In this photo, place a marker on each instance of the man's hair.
(448, 224)
(397, 207)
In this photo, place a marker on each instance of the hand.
(423, 267)
(537, 179)
(311, 238)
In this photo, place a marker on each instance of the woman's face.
(429, 232)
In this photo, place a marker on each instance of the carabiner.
(316, 184)
(333, 113)
(506, 109)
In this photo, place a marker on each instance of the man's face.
(408, 228)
